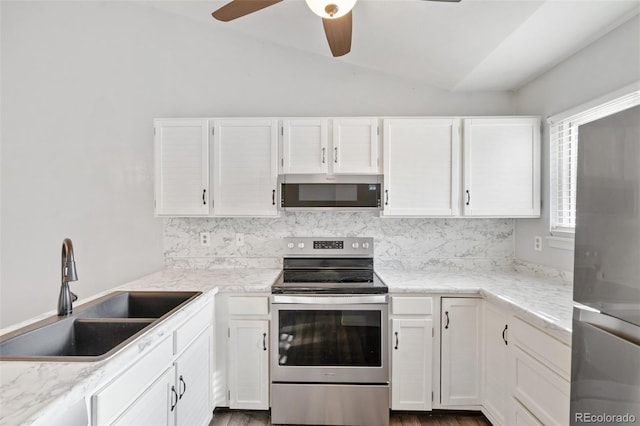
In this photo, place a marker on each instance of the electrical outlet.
(239, 239)
(537, 243)
(205, 239)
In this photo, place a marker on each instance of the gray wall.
(608, 64)
(81, 83)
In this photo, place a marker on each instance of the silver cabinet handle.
(504, 332)
(468, 197)
(324, 155)
(335, 156)
(264, 341)
(446, 326)
(273, 197)
(204, 200)
(397, 341)
(386, 197)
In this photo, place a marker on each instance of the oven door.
(329, 339)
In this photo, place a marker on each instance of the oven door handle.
(331, 300)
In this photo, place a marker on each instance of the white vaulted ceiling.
(474, 45)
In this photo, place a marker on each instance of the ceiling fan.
(335, 14)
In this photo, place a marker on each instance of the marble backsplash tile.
(541, 271)
(464, 244)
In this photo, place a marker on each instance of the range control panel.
(328, 247)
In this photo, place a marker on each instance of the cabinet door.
(411, 358)
(249, 364)
(496, 397)
(355, 146)
(154, 406)
(245, 167)
(460, 352)
(502, 167)
(181, 167)
(193, 381)
(421, 167)
(304, 146)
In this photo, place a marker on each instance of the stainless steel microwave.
(343, 195)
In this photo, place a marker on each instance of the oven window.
(330, 338)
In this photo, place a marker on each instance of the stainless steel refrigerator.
(605, 370)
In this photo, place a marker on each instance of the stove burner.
(329, 266)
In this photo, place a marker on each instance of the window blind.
(564, 158)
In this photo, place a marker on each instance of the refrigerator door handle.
(609, 324)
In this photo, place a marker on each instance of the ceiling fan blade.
(238, 8)
(338, 32)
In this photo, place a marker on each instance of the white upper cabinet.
(245, 167)
(421, 166)
(502, 167)
(355, 146)
(305, 146)
(181, 167)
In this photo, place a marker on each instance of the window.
(564, 154)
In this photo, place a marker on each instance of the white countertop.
(32, 391)
(545, 303)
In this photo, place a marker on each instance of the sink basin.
(136, 304)
(95, 330)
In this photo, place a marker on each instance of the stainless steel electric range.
(329, 337)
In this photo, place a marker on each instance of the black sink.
(95, 330)
(137, 304)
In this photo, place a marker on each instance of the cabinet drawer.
(403, 305)
(548, 350)
(116, 396)
(188, 331)
(248, 305)
(523, 417)
(543, 392)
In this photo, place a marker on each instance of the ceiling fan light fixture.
(331, 9)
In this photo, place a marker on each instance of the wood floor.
(223, 417)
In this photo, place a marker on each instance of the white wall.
(81, 83)
(608, 64)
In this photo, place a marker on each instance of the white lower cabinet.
(171, 384)
(249, 364)
(540, 374)
(193, 383)
(460, 351)
(153, 408)
(411, 353)
(242, 349)
(181, 395)
(495, 372)
(522, 416)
